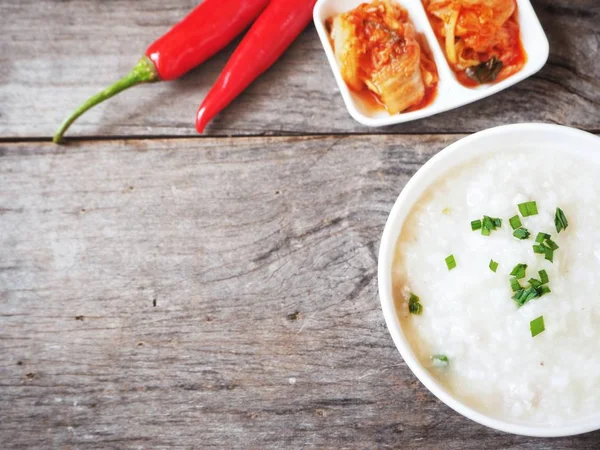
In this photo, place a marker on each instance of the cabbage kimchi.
(481, 38)
(379, 52)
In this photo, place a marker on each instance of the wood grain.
(54, 54)
(210, 293)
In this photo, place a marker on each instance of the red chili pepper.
(272, 33)
(203, 32)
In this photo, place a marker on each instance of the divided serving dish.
(450, 93)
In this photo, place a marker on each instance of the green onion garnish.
(525, 295)
(515, 285)
(532, 291)
(440, 360)
(528, 209)
(519, 271)
(560, 220)
(488, 222)
(551, 244)
(515, 222)
(537, 326)
(544, 290)
(486, 225)
(414, 304)
(493, 265)
(491, 223)
(545, 246)
(521, 233)
(415, 308)
(450, 262)
(537, 288)
(549, 255)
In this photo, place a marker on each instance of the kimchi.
(380, 53)
(481, 38)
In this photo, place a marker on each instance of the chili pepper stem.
(143, 72)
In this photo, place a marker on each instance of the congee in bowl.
(494, 266)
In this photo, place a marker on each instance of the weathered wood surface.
(219, 293)
(54, 54)
(214, 293)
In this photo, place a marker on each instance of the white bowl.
(451, 94)
(524, 137)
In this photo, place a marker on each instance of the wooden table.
(160, 289)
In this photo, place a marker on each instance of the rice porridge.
(500, 307)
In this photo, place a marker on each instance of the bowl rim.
(439, 164)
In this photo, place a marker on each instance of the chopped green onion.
(535, 282)
(521, 233)
(446, 211)
(491, 222)
(531, 293)
(548, 251)
(440, 360)
(537, 288)
(528, 209)
(519, 271)
(488, 223)
(525, 295)
(515, 222)
(544, 290)
(537, 326)
(414, 304)
(515, 285)
(560, 220)
(545, 249)
(545, 246)
(476, 225)
(518, 293)
(415, 308)
(493, 265)
(450, 262)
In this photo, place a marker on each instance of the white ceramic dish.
(523, 137)
(451, 94)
